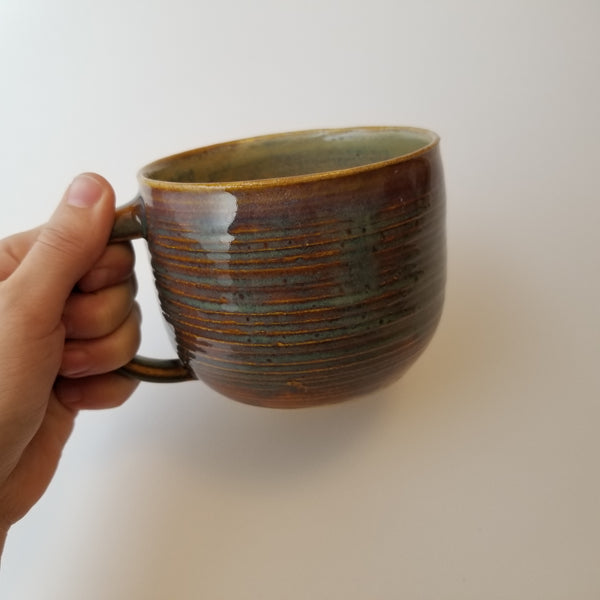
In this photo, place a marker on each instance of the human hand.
(67, 320)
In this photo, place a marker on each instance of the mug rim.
(434, 140)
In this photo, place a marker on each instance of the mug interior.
(290, 155)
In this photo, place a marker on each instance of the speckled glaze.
(295, 269)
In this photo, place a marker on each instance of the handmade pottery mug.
(295, 269)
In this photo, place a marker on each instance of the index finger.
(114, 266)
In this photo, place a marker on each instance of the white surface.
(477, 475)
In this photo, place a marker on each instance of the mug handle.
(130, 224)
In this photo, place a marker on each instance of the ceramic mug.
(295, 269)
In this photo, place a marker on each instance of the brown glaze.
(296, 269)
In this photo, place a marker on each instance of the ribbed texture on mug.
(295, 295)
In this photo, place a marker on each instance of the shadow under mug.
(295, 269)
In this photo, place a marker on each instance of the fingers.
(102, 329)
(114, 266)
(82, 358)
(109, 290)
(65, 249)
(94, 315)
(95, 392)
(102, 335)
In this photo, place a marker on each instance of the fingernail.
(84, 191)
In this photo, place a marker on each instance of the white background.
(475, 476)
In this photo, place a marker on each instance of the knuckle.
(60, 241)
(135, 332)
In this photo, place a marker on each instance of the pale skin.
(68, 320)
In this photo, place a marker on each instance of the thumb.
(68, 245)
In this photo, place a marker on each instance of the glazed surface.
(304, 293)
(291, 155)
